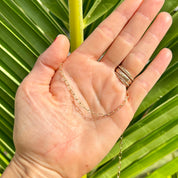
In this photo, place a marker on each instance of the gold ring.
(124, 76)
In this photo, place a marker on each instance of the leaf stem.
(76, 26)
(76, 23)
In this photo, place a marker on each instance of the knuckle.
(144, 16)
(144, 85)
(155, 72)
(124, 14)
(105, 32)
(153, 36)
(127, 37)
(139, 58)
(110, 60)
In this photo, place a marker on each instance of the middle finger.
(132, 32)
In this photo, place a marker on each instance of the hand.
(49, 132)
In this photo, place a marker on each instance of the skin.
(51, 137)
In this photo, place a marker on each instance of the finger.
(49, 61)
(140, 55)
(132, 33)
(143, 83)
(107, 31)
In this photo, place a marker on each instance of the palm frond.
(27, 28)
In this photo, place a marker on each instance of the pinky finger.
(143, 83)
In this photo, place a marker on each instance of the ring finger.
(140, 54)
(132, 32)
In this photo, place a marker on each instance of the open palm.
(51, 128)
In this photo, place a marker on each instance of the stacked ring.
(124, 76)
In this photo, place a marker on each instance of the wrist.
(21, 167)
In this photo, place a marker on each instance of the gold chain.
(82, 105)
(99, 115)
(120, 156)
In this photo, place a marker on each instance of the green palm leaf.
(28, 27)
(170, 167)
(144, 138)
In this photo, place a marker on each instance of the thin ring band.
(124, 76)
(126, 72)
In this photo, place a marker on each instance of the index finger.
(101, 38)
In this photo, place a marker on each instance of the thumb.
(49, 61)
